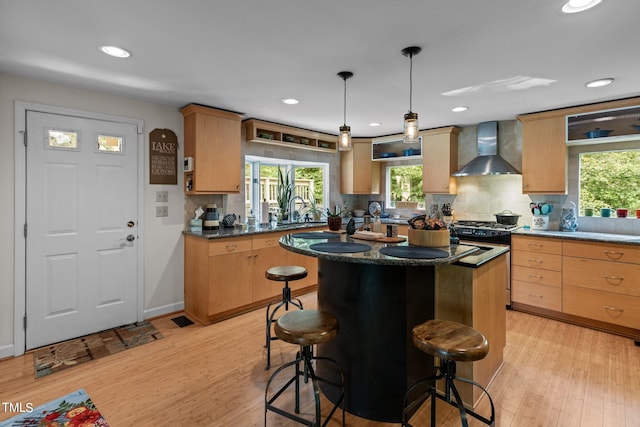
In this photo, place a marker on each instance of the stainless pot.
(507, 217)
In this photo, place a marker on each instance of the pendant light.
(344, 141)
(411, 118)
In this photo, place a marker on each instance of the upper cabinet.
(358, 173)
(545, 137)
(287, 136)
(212, 138)
(439, 160)
(544, 154)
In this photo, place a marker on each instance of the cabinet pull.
(613, 280)
(535, 276)
(231, 248)
(535, 295)
(537, 245)
(613, 254)
(269, 242)
(539, 261)
(617, 310)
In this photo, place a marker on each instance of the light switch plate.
(162, 196)
(162, 211)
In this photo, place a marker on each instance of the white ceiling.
(246, 55)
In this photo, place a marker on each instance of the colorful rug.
(74, 410)
(61, 356)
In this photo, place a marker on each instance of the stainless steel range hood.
(488, 161)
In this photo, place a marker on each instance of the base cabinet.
(226, 276)
(593, 284)
(475, 297)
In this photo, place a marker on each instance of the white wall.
(163, 251)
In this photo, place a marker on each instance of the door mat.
(182, 321)
(58, 357)
(74, 409)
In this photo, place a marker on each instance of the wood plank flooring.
(554, 374)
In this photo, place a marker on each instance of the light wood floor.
(554, 374)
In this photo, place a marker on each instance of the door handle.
(131, 238)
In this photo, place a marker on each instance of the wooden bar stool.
(306, 328)
(283, 273)
(451, 342)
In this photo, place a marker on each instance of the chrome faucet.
(291, 206)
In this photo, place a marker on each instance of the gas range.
(484, 231)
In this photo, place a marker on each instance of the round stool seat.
(284, 273)
(450, 341)
(306, 327)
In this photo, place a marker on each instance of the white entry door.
(81, 226)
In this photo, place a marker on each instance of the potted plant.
(314, 209)
(284, 193)
(334, 219)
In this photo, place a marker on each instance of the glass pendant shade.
(344, 141)
(411, 128)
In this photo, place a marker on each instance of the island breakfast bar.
(378, 299)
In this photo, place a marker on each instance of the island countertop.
(372, 256)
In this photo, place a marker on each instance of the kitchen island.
(379, 298)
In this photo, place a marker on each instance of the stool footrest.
(305, 356)
(446, 369)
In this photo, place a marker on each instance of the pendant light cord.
(410, 82)
(345, 102)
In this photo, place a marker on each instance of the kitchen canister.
(569, 218)
(540, 222)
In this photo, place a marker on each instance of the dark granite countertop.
(587, 236)
(373, 256)
(238, 232)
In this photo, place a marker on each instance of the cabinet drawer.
(607, 307)
(538, 295)
(537, 275)
(537, 260)
(269, 240)
(536, 244)
(608, 276)
(228, 246)
(606, 252)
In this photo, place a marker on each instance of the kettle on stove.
(568, 218)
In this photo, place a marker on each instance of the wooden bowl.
(430, 238)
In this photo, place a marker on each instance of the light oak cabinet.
(287, 136)
(440, 160)
(602, 282)
(536, 272)
(225, 277)
(594, 284)
(213, 139)
(358, 173)
(475, 297)
(544, 154)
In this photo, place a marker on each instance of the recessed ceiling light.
(575, 6)
(375, 124)
(290, 101)
(599, 82)
(115, 51)
(459, 109)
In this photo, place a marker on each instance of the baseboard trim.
(6, 351)
(164, 310)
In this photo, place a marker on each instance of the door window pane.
(110, 143)
(62, 139)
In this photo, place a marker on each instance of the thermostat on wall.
(188, 164)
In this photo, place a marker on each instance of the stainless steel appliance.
(488, 232)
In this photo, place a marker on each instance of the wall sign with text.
(163, 157)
